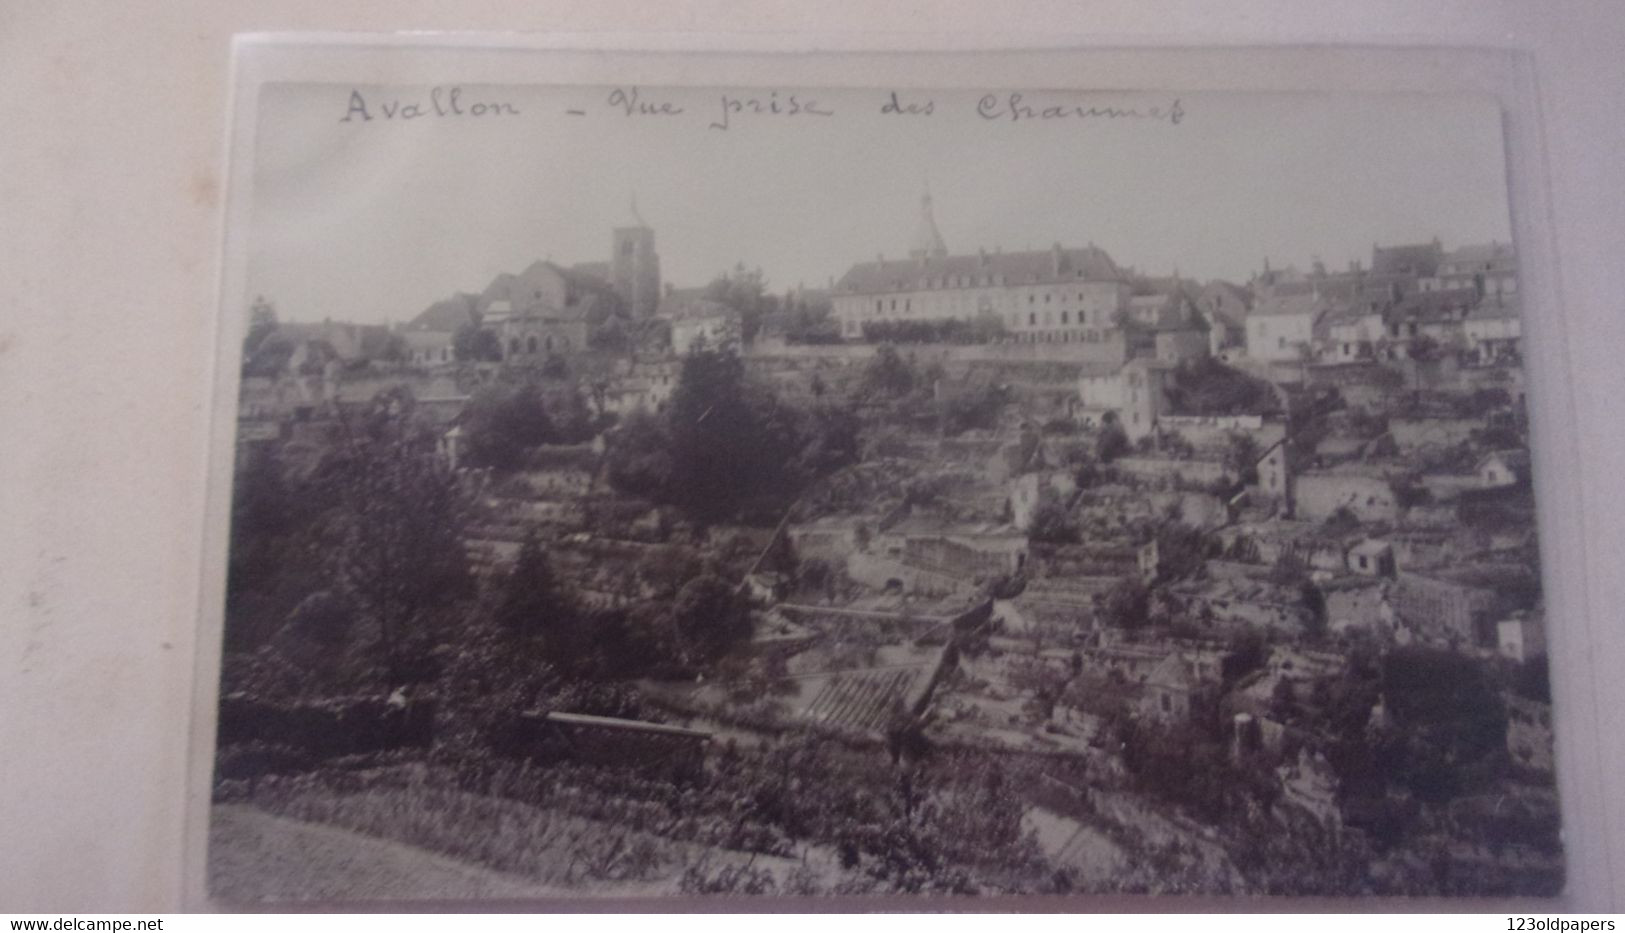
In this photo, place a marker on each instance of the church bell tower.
(634, 266)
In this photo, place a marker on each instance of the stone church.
(548, 309)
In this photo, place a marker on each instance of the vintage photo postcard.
(666, 490)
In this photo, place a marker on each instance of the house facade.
(1134, 394)
(1281, 328)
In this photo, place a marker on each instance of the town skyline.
(804, 203)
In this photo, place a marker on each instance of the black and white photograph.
(691, 492)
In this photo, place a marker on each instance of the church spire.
(927, 242)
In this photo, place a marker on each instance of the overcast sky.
(372, 220)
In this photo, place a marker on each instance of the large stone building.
(538, 313)
(1058, 295)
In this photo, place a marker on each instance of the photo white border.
(926, 61)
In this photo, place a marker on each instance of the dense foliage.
(1208, 387)
(984, 329)
(725, 447)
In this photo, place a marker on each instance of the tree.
(888, 373)
(730, 443)
(1241, 457)
(502, 422)
(1209, 387)
(534, 605)
(1448, 715)
(639, 456)
(1127, 604)
(812, 325)
(815, 575)
(977, 408)
(1112, 441)
(1424, 349)
(571, 417)
(1052, 524)
(1182, 550)
(745, 291)
(663, 570)
(474, 344)
(707, 618)
(272, 560)
(1314, 606)
(725, 447)
(830, 440)
(316, 637)
(399, 545)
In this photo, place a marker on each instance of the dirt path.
(254, 856)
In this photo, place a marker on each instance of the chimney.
(1055, 259)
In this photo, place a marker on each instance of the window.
(879, 306)
(1064, 316)
(1167, 704)
(894, 304)
(1032, 320)
(530, 344)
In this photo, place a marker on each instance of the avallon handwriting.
(441, 102)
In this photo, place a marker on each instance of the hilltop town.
(980, 572)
